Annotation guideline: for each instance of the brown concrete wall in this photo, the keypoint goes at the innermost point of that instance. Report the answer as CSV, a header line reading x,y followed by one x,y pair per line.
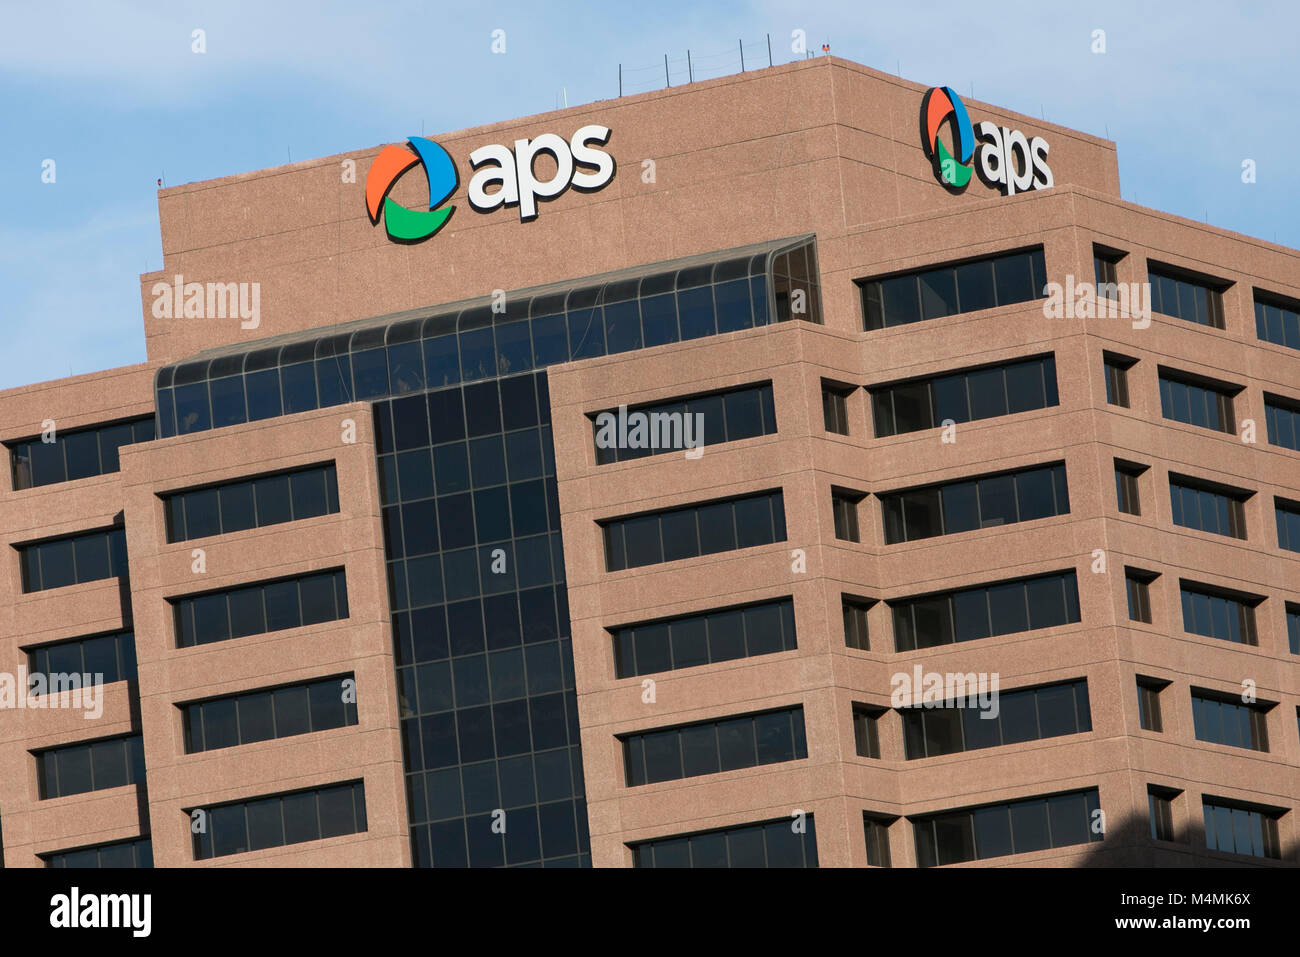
x,y
1105,647
32,826
360,644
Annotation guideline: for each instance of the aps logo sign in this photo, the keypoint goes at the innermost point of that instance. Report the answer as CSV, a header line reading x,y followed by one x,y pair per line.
x,y
1006,159
578,163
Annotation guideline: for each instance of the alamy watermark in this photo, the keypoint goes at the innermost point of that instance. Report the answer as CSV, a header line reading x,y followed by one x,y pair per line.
x,y
650,430
208,300
1106,300
933,689
39,691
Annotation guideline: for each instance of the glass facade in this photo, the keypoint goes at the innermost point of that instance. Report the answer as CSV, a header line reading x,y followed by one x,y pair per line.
x,y
471,519
703,297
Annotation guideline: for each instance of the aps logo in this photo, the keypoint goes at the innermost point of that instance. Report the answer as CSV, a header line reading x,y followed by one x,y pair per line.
x,y
1006,159
578,163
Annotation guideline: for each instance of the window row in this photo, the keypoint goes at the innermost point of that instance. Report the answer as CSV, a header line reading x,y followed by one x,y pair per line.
x,y
252,503
278,820
638,431
1240,829
1207,507
1068,819
1219,613
1205,403
1012,827
260,608
946,290
701,638
784,842
1200,403
1277,320
1027,714
1231,721
108,658
708,747
1282,421
984,611
705,529
76,453
90,766
966,395
117,854
73,559
981,501
1186,296
269,714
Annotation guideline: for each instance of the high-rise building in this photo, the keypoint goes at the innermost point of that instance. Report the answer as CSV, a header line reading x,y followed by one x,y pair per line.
x,y
838,474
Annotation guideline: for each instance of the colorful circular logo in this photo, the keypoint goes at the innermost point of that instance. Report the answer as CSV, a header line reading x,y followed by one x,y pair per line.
x,y
939,104
411,225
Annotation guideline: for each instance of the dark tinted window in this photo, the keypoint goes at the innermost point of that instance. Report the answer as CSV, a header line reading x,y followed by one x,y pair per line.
x,y
704,637
90,766
686,423
1116,372
1223,720
77,453
109,658
1190,299
855,622
252,503
118,854
964,724
73,559
1218,615
965,396
654,537
946,290
785,842
996,609
1238,829
280,819
272,713
1206,508
1015,827
262,607
1277,320
1196,404
745,741
1283,421
1288,524
977,502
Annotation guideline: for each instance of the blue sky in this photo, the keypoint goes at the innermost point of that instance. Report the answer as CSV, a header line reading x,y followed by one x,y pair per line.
x,y
112,92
